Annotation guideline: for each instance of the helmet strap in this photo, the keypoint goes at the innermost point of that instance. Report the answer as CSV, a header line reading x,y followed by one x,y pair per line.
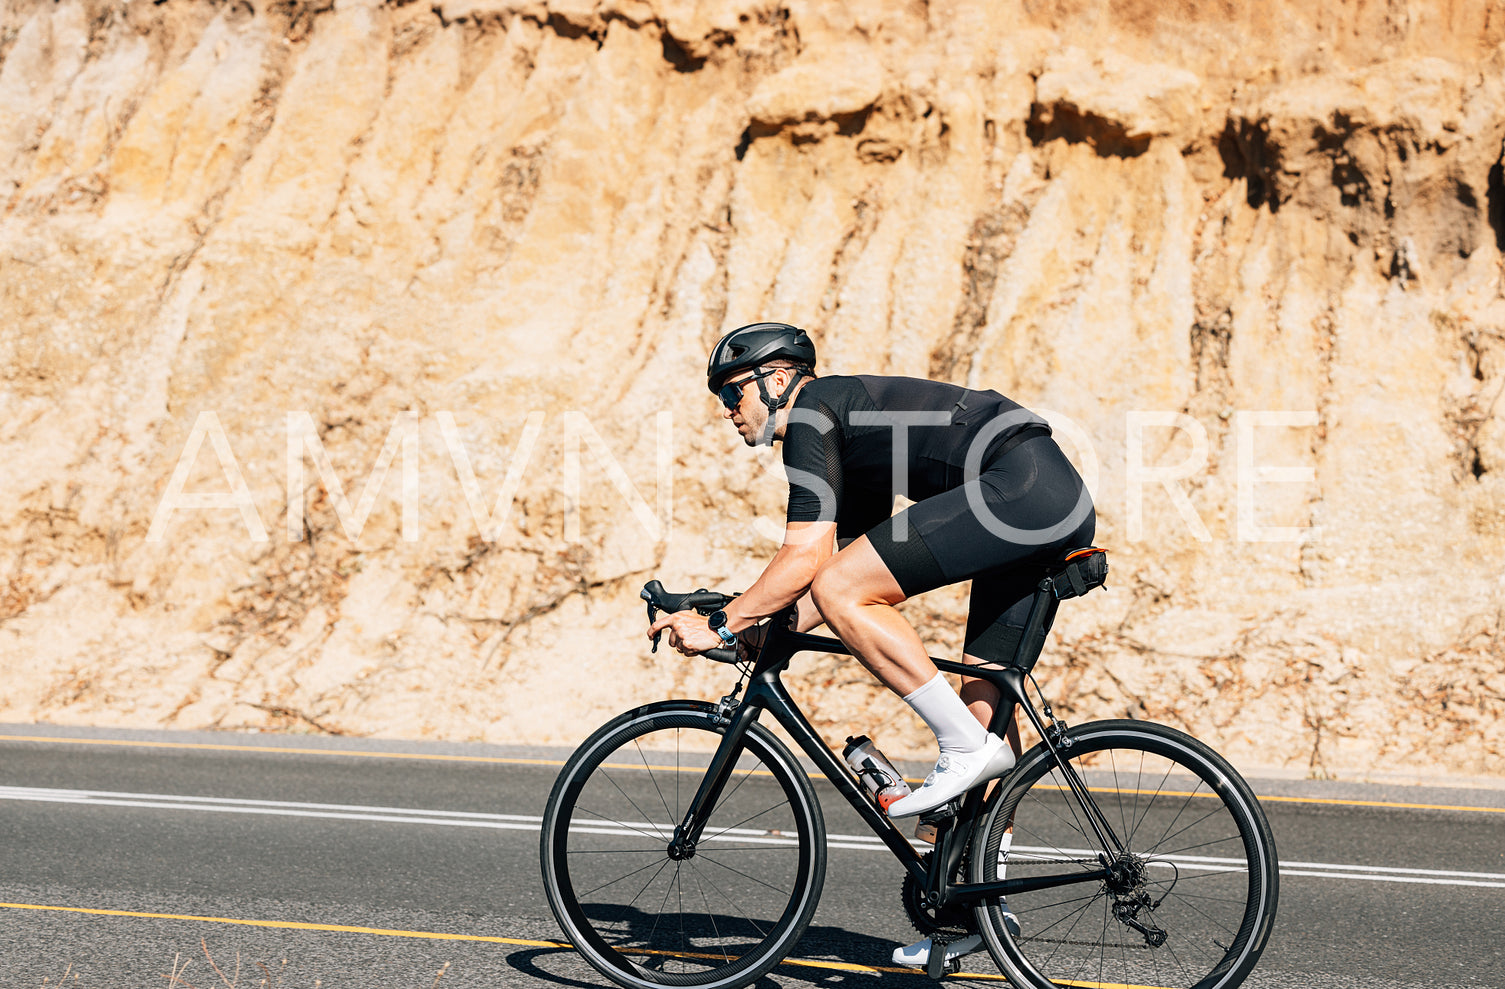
x,y
775,404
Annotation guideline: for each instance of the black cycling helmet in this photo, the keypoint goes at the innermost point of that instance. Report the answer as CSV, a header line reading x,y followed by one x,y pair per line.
x,y
756,344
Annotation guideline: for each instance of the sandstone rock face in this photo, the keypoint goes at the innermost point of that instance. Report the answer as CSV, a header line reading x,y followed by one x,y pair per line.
x,y
401,309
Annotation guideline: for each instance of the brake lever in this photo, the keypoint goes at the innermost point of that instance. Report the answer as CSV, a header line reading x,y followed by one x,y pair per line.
x,y
652,617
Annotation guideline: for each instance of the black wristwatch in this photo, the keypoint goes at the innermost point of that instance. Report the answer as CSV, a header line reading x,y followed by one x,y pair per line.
x,y
717,622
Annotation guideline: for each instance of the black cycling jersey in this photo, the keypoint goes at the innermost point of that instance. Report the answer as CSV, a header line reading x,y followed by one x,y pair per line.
x,y
992,491
843,434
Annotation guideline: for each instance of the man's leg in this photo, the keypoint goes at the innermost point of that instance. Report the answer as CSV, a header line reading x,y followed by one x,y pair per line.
x,y
856,594
996,616
981,698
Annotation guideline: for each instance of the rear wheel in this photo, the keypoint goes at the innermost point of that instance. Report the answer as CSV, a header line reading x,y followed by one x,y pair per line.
x,y
1185,895
722,915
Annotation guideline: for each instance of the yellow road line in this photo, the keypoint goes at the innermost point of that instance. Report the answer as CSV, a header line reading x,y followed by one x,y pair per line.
x,y
499,760
278,749
288,925
1378,803
440,936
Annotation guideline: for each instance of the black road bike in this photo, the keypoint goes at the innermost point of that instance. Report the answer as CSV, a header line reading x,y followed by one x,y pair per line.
x,y
683,844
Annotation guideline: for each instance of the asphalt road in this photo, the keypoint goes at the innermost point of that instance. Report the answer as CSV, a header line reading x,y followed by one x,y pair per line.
x,y
428,859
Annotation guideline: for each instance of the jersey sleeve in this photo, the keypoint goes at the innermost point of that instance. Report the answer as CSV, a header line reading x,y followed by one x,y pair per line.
x,y
812,461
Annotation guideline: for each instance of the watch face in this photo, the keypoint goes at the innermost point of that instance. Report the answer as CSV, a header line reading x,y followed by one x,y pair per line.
x,y
717,620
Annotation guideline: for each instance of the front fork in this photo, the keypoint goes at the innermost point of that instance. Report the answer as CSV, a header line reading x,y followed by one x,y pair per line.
x,y
738,720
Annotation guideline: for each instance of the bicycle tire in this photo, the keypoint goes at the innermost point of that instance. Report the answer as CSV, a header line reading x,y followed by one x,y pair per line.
x,y
1198,871
762,856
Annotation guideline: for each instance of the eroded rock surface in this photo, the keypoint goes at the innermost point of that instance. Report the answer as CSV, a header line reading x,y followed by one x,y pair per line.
x,y
487,243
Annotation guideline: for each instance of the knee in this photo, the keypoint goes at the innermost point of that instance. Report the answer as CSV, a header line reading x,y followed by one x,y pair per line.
x,y
828,590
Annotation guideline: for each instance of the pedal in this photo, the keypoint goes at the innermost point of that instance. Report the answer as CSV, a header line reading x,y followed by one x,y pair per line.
x,y
929,826
938,966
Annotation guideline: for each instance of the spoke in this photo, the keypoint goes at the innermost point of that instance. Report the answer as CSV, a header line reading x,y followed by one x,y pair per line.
x,y
662,866
629,875
754,817
1069,932
1155,964
1170,947
721,893
1073,802
657,850
1149,803
1029,829
1212,920
745,777
1102,947
646,817
1183,877
744,875
654,778
1203,896
619,823
1185,849
1188,827
711,917
702,850
1053,905
1185,802
1123,953
1034,935
1068,795
1125,830
660,915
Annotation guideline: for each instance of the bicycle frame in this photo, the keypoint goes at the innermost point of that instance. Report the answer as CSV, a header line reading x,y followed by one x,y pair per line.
x,y
766,691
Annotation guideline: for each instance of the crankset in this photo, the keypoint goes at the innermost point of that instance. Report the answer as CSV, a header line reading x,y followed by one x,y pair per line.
x,y
950,923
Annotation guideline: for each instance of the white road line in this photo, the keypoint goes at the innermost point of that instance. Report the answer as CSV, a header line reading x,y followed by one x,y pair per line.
x,y
524,822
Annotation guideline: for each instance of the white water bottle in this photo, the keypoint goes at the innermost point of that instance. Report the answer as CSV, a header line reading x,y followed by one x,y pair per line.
x,y
882,781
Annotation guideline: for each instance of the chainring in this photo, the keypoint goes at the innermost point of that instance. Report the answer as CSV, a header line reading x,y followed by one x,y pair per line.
x,y
951,923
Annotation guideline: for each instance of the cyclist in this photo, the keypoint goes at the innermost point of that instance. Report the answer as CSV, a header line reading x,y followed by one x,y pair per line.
x,y
992,491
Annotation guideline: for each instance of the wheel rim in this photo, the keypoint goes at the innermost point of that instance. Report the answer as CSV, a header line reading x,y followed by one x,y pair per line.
x,y
706,917
1183,899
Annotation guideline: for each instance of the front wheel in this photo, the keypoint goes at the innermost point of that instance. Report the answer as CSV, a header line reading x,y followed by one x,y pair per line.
x,y
1182,893
721,916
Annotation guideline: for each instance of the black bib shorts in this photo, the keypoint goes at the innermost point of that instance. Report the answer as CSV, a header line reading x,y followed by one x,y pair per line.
x,y
995,497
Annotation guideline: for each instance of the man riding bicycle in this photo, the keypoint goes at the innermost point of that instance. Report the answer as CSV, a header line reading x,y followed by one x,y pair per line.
x,y
993,494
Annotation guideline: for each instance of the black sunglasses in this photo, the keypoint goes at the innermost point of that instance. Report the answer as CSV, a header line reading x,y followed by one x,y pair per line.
x,y
731,393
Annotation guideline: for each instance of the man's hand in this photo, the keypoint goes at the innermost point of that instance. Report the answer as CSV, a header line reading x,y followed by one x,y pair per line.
x,y
689,632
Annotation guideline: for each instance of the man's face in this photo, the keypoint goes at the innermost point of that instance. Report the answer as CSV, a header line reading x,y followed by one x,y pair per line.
x,y
749,415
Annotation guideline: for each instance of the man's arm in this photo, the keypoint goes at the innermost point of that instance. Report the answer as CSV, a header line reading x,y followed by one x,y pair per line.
x,y
788,575
785,580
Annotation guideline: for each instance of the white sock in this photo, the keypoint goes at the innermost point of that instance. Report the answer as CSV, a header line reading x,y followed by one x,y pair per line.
x,y
955,728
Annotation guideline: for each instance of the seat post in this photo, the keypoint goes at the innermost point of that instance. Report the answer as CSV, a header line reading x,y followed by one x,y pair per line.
x,y
1042,613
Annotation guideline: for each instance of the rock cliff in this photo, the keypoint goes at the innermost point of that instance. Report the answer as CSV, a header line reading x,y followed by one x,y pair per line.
x,y
353,351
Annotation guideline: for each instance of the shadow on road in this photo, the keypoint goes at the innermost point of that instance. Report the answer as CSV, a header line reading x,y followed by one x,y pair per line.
x,y
820,943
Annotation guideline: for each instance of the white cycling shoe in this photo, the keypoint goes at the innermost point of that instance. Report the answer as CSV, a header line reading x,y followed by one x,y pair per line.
x,y
917,955
955,773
